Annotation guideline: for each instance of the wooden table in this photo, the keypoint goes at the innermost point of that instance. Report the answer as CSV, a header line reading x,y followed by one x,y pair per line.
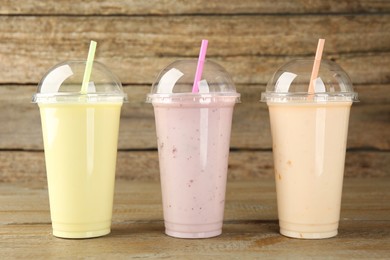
x,y
250,226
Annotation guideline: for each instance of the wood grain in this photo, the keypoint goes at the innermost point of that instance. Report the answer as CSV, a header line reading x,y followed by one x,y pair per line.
x,y
250,47
133,7
21,129
250,226
136,39
29,166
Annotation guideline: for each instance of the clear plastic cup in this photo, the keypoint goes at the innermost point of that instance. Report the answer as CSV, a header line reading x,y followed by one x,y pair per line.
x,y
193,136
80,134
309,134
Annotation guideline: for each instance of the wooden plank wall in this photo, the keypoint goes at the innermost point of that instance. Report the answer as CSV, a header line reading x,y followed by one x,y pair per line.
x,y
249,38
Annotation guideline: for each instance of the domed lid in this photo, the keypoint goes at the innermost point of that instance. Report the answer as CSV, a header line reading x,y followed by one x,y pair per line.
x,y
291,82
175,82
62,84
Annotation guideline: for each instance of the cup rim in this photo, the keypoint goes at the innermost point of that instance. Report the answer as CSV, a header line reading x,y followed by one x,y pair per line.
x,y
194,97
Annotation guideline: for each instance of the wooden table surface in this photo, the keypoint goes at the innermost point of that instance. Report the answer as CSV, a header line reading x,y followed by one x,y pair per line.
x,y
250,225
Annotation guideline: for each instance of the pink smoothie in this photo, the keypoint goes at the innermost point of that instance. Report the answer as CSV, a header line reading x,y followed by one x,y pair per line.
x,y
193,143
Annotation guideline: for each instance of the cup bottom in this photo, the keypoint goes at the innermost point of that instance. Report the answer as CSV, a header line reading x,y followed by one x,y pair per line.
x,y
308,231
80,235
308,235
193,234
205,230
81,230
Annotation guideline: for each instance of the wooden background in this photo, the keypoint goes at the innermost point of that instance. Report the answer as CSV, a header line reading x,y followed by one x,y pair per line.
x,y
249,38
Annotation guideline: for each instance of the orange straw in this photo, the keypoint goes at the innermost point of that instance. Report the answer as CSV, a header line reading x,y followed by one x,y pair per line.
x,y
316,65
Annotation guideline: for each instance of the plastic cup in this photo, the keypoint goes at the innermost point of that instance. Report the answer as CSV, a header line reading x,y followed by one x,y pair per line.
x,y
309,134
193,136
80,134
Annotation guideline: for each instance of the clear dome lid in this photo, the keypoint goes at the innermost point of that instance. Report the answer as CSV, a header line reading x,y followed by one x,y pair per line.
x,y
291,83
175,83
62,84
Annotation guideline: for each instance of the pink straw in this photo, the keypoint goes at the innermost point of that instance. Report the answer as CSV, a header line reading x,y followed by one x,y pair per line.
x,y
199,67
316,65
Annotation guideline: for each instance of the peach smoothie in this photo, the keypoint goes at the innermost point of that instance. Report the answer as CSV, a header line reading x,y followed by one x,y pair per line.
x,y
309,145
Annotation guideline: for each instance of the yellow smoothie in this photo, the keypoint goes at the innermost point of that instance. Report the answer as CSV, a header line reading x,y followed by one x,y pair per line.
x,y
80,141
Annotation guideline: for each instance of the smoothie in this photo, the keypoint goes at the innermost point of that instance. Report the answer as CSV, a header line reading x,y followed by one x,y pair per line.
x,y
193,112
309,144
193,145
80,141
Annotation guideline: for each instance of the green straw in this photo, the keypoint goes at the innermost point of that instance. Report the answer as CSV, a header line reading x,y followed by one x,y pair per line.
x,y
88,67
